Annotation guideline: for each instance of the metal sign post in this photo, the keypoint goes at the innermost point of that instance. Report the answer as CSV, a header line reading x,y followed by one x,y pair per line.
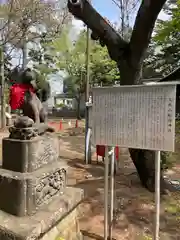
x,y
88,135
141,117
157,193
108,212
111,192
106,190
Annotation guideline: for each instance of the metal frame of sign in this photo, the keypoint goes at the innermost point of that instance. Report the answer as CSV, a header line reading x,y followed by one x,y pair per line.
x,y
117,110
135,116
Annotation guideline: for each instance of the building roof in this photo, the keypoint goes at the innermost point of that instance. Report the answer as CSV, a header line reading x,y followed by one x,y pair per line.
x,y
175,75
63,95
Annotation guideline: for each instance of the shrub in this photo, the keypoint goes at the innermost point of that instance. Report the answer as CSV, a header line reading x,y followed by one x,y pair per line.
x,y
168,159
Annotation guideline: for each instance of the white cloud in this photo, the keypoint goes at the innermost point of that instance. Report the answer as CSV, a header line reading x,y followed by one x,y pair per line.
x,y
163,16
77,27
78,24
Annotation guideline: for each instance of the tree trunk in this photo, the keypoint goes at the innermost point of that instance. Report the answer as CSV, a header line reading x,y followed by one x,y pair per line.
x,y
78,108
144,161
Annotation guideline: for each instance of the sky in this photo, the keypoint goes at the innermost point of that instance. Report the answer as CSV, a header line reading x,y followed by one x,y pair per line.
x,y
108,9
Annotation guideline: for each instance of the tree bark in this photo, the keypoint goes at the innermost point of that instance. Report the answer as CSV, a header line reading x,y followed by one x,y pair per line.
x,y
144,161
129,57
78,99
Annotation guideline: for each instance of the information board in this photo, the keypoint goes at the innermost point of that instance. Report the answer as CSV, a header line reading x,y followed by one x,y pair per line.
x,y
135,116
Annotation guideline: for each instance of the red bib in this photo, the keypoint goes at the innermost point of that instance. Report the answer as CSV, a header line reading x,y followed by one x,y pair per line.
x,y
17,93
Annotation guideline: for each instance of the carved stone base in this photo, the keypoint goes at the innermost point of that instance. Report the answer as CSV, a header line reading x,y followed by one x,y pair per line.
x,y
23,193
29,155
57,220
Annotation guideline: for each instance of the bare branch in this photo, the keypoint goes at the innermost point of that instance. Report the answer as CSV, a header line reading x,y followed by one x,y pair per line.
x,y
129,5
21,15
143,27
127,9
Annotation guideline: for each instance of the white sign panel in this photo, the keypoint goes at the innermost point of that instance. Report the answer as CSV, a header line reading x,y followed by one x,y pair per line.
x,y
135,116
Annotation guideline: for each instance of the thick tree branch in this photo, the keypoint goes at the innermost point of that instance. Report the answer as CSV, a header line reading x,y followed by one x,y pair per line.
x,y
143,27
84,11
129,56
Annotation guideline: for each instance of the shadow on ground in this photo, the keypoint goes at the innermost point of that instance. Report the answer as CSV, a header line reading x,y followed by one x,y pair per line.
x,y
73,144
133,206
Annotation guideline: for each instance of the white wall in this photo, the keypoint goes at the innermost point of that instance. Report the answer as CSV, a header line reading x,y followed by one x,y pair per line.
x,y
67,102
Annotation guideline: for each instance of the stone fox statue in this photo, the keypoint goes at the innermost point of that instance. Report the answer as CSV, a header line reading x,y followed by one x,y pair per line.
x,y
25,95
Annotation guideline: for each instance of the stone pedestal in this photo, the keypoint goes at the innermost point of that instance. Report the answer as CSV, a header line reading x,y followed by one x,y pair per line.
x,y
55,221
34,200
32,174
29,155
23,193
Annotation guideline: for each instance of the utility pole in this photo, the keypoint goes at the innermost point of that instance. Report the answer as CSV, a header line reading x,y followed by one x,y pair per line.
x,y
25,40
24,52
3,103
87,146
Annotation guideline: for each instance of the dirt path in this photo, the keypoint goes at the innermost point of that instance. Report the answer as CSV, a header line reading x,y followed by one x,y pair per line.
x,y
134,207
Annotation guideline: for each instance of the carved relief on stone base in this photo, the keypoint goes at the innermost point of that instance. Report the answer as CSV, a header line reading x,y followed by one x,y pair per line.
x,y
50,185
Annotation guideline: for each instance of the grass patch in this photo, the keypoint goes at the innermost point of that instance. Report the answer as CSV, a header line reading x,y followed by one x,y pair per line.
x,y
172,205
169,159
146,237
173,208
